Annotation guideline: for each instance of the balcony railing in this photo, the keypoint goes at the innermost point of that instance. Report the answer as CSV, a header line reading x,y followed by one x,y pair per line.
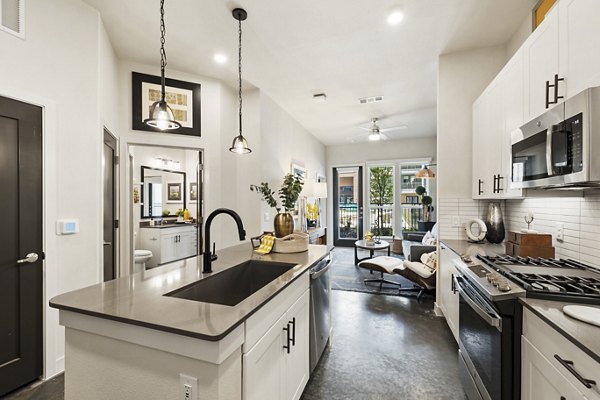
x,y
348,221
381,220
410,217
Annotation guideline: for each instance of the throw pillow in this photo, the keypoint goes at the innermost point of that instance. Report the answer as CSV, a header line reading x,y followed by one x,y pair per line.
x,y
430,260
435,231
426,237
432,241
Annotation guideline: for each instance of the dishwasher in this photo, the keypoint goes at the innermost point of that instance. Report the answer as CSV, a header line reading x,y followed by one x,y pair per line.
x,y
320,316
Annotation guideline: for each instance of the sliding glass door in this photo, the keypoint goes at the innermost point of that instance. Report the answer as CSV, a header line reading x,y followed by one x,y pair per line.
x,y
347,204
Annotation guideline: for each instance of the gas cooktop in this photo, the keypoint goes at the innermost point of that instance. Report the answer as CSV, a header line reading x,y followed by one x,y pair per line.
x,y
559,279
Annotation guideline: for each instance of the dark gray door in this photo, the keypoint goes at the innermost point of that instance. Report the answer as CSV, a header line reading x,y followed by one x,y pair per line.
x,y
347,205
21,301
110,221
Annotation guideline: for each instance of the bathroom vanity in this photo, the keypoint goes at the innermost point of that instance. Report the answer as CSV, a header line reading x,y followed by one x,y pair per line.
x,y
174,331
169,243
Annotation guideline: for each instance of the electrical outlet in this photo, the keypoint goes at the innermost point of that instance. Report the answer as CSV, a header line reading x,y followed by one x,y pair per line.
x,y
455,221
560,231
189,387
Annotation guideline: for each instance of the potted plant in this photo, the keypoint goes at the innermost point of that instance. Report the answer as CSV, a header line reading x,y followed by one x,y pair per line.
x,y
288,194
426,202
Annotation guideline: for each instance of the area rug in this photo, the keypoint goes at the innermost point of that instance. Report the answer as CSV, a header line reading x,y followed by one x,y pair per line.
x,y
347,276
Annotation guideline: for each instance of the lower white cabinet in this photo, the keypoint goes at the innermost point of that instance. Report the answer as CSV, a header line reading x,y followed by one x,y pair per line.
x,y
277,366
540,380
169,244
552,367
448,294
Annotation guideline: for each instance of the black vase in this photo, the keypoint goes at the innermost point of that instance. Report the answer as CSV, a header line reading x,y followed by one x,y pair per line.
x,y
495,224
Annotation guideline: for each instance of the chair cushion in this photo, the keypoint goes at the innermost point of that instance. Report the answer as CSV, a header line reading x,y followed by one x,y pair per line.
x,y
426,238
430,260
388,264
419,268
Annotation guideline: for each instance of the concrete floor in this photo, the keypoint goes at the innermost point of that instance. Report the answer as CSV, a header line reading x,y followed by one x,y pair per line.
x,y
384,347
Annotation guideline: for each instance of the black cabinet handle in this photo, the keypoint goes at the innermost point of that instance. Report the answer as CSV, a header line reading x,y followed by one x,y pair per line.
x,y
495,183
453,285
480,189
500,177
555,87
569,365
293,322
288,338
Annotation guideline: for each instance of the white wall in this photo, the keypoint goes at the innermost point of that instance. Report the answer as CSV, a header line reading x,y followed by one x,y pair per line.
x,y
58,66
519,37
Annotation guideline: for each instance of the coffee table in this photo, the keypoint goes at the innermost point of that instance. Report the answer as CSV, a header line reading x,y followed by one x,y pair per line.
x,y
362,244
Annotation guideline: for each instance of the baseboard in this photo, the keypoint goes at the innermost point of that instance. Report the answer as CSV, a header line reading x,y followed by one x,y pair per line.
x,y
437,310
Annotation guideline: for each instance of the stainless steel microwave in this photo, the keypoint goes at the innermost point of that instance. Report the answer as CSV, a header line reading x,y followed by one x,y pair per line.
x,y
561,148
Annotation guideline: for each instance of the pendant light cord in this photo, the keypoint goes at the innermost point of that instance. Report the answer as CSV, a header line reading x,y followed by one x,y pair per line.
x,y
163,53
240,71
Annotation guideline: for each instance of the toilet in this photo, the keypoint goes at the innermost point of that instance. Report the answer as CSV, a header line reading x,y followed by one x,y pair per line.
x,y
139,259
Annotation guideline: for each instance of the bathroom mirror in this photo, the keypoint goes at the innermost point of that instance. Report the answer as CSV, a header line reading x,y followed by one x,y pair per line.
x,y
163,192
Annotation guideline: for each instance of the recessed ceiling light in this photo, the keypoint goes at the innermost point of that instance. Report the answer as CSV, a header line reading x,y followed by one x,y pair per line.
x,y
395,17
220,58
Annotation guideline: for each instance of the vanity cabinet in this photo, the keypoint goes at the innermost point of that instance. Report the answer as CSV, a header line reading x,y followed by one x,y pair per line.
x,y
449,298
169,244
277,366
551,365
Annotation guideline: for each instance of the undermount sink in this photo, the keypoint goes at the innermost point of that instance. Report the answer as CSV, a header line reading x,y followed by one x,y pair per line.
x,y
234,284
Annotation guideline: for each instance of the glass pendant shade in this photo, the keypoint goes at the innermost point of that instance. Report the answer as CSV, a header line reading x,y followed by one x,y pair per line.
x,y
425,173
161,116
240,145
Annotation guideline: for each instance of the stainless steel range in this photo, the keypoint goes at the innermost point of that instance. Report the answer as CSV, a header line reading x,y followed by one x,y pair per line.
x,y
490,316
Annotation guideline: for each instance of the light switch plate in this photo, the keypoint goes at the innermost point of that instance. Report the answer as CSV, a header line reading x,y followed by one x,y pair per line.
x,y
456,221
560,231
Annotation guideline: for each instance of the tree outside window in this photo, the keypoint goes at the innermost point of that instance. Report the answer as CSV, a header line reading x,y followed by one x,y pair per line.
x,y
381,194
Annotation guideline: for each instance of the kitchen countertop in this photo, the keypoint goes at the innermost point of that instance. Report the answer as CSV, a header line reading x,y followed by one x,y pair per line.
x,y
583,335
463,247
138,299
159,226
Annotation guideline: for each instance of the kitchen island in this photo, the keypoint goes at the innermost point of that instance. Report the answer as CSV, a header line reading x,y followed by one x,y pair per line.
x,y
125,339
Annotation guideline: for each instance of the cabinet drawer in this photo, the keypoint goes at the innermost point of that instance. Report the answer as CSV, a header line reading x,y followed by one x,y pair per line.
x,y
551,344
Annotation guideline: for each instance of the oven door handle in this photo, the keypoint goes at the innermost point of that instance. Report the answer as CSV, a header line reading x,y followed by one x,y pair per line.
x,y
549,165
495,321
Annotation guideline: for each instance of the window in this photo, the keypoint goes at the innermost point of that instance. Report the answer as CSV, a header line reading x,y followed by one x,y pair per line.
x,y
395,198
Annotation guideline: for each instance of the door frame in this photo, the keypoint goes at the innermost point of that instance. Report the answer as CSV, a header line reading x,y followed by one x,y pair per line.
x,y
126,240
116,174
53,356
362,216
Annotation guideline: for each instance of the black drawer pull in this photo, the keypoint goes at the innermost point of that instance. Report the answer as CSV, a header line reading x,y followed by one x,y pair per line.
x,y
569,366
480,189
293,322
288,338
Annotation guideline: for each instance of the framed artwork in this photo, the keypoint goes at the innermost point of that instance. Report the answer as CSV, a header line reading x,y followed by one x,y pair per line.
x,y
136,193
298,170
183,98
174,194
193,192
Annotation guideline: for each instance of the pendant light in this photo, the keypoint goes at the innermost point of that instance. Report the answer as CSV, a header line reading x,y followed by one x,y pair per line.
x,y
240,144
425,173
161,115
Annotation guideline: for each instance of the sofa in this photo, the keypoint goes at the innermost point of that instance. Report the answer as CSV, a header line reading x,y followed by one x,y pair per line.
x,y
412,244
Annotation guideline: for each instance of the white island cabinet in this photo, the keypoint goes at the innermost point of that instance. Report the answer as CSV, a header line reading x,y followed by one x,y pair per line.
x,y
126,339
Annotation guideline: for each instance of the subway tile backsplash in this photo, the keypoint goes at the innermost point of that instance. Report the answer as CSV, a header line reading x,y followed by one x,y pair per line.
x,y
579,217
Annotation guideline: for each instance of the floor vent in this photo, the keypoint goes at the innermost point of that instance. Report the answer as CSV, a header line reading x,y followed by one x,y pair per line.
x,y
12,17
368,100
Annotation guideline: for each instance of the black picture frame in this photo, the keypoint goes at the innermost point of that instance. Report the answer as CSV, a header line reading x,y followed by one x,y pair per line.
x,y
138,116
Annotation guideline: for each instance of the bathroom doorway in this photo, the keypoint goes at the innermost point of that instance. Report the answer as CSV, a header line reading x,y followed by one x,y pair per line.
x,y
109,203
166,204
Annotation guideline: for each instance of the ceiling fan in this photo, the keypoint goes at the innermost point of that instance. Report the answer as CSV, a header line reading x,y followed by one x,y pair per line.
x,y
375,132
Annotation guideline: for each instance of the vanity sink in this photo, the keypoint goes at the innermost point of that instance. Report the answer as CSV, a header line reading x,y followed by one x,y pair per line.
x,y
234,284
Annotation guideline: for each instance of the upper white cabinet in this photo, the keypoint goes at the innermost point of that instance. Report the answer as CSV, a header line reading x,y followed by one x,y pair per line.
x,y
541,65
558,60
496,113
579,44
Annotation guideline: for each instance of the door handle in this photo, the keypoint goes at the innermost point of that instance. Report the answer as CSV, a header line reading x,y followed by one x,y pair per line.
x,y
288,338
106,243
29,258
293,322
499,189
480,189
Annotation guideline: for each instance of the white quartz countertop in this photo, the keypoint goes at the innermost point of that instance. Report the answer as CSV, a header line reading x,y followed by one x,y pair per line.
x,y
139,299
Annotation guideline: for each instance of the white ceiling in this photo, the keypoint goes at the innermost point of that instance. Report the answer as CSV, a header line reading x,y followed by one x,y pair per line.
x,y
344,48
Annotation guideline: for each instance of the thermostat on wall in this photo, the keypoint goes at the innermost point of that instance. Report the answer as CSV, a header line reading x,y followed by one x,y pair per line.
x,y
67,226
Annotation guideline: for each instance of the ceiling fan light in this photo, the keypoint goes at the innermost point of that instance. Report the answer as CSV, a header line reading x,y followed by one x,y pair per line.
x,y
374,136
161,117
395,16
240,145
